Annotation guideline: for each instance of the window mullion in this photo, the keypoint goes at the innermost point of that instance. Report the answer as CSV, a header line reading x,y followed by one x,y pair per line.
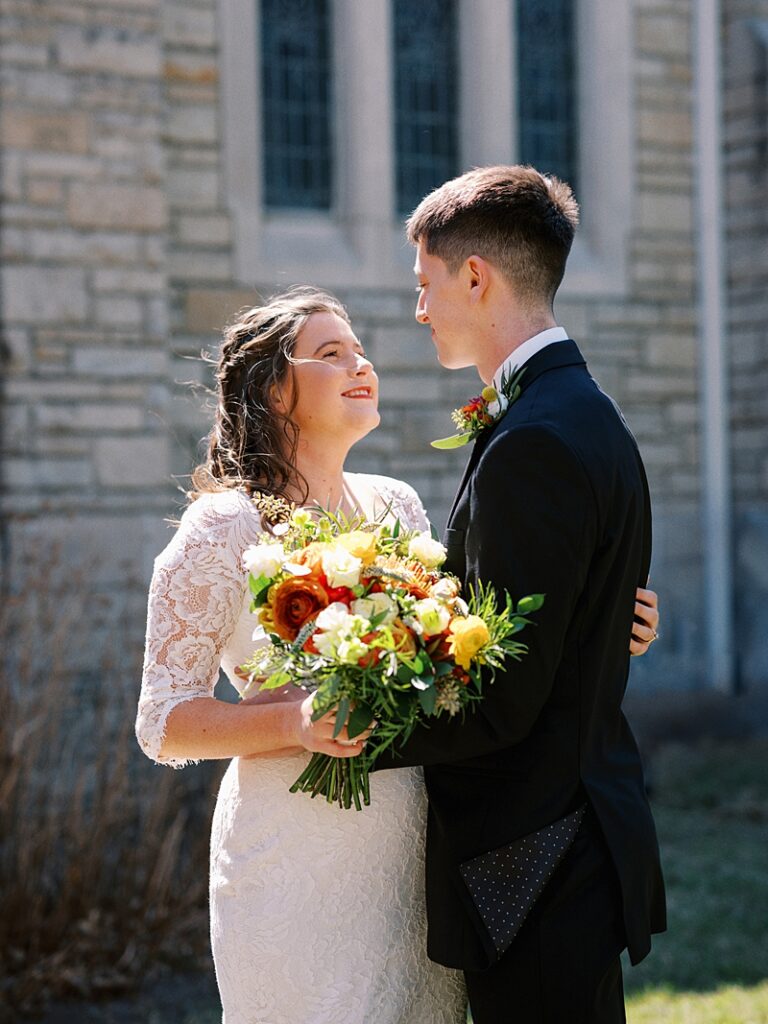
x,y
488,114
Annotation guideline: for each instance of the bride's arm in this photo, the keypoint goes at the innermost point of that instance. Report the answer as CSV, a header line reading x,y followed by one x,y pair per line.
x,y
195,598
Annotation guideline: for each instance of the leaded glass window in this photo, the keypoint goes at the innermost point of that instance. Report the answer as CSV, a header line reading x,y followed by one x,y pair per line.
x,y
296,98
547,87
426,73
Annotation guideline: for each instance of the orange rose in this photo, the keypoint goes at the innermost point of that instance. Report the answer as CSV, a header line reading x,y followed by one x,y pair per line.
x,y
293,602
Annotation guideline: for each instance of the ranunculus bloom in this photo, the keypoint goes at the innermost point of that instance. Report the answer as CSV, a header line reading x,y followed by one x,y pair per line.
x,y
293,602
466,638
311,555
360,544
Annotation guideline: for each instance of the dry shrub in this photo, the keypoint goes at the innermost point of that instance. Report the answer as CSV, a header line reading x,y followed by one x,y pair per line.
x,y
103,855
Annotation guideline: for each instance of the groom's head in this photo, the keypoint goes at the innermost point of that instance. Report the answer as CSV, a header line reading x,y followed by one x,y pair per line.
x,y
491,239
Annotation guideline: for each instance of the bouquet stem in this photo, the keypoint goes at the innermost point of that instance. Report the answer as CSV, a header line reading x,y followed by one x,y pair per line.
x,y
340,780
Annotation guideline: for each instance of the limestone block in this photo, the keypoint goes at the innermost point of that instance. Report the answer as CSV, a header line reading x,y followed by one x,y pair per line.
x,y
197,265
666,127
410,388
139,282
403,348
119,311
190,69
203,229
114,361
674,349
117,206
39,295
664,212
88,416
188,26
49,474
193,189
62,132
132,461
111,51
97,247
665,36
208,309
192,124
44,192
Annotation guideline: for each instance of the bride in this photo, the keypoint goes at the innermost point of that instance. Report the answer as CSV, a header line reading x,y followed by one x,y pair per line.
x,y
317,913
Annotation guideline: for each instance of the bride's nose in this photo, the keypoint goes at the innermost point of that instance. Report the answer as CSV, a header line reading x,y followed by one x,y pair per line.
x,y
362,366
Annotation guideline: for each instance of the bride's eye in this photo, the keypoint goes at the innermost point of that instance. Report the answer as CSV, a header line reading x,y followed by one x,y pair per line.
x,y
331,352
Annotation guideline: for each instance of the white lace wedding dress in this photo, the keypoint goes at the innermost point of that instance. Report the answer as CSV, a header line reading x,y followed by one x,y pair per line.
x,y
317,914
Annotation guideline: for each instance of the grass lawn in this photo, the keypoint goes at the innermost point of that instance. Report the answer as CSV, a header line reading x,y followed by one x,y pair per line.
x,y
711,967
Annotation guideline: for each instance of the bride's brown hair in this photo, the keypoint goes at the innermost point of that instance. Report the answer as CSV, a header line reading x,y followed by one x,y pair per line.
x,y
253,445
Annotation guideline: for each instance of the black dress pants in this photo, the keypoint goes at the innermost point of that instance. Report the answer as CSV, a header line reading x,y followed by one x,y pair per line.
x,y
563,966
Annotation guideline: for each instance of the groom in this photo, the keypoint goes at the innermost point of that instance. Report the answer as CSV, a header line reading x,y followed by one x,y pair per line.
x,y
542,859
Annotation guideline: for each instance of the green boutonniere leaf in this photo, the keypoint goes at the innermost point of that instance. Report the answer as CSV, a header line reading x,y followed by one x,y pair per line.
x,y
456,441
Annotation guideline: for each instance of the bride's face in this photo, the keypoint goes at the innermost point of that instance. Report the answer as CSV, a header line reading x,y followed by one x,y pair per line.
x,y
338,390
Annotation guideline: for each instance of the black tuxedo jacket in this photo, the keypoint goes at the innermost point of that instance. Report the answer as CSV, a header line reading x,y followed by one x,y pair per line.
x,y
554,500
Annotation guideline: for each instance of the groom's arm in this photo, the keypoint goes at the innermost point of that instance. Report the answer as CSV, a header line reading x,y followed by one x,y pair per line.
x,y
533,528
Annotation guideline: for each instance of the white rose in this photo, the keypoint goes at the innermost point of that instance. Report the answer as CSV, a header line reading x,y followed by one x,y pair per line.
x,y
426,550
341,568
326,643
376,604
432,616
264,559
334,618
445,589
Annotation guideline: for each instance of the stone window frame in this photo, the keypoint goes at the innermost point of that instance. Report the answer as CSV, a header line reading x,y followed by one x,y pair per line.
x,y
360,242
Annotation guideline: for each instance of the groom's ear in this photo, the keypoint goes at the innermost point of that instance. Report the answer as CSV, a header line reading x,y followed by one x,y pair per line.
x,y
478,276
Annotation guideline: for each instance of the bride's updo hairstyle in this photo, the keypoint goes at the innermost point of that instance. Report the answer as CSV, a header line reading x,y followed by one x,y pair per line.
x,y
252,445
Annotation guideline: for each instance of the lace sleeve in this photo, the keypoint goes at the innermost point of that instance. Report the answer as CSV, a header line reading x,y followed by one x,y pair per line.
x,y
195,598
404,500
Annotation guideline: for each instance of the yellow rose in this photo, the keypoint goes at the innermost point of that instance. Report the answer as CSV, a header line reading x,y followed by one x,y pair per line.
x,y
360,544
467,637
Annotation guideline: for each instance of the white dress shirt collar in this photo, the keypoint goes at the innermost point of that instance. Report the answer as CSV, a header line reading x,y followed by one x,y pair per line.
x,y
527,350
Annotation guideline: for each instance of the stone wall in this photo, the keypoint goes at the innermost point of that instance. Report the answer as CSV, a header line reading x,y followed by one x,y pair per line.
x,y
119,268
746,189
84,289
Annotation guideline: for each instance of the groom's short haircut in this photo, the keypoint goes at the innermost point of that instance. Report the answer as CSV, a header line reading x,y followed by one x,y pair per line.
x,y
520,220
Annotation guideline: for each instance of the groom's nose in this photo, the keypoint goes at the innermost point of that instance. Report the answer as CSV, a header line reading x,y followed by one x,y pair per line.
x,y
421,312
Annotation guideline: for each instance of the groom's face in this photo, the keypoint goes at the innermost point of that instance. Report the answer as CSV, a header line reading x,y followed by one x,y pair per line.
x,y
445,305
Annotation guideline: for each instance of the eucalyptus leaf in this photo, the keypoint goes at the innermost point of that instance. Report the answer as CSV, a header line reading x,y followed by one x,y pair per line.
x,y
360,718
427,699
443,668
529,604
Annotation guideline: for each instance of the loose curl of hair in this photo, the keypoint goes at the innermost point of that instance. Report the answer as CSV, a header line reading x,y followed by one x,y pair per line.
x,y
252,445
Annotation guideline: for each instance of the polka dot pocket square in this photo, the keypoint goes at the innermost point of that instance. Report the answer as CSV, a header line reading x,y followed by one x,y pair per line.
x,y
505,883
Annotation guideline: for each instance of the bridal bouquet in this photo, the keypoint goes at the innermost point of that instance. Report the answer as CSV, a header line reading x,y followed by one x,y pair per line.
x,y
360,614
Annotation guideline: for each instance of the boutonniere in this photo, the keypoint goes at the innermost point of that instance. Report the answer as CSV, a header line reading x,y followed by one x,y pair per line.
x,y
482,411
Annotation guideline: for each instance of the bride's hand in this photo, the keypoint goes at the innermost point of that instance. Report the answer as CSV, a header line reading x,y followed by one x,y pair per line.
x,y
318,736
646,621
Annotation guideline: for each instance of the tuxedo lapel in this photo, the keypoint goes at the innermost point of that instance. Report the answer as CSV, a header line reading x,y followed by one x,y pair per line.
x,y
559,354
